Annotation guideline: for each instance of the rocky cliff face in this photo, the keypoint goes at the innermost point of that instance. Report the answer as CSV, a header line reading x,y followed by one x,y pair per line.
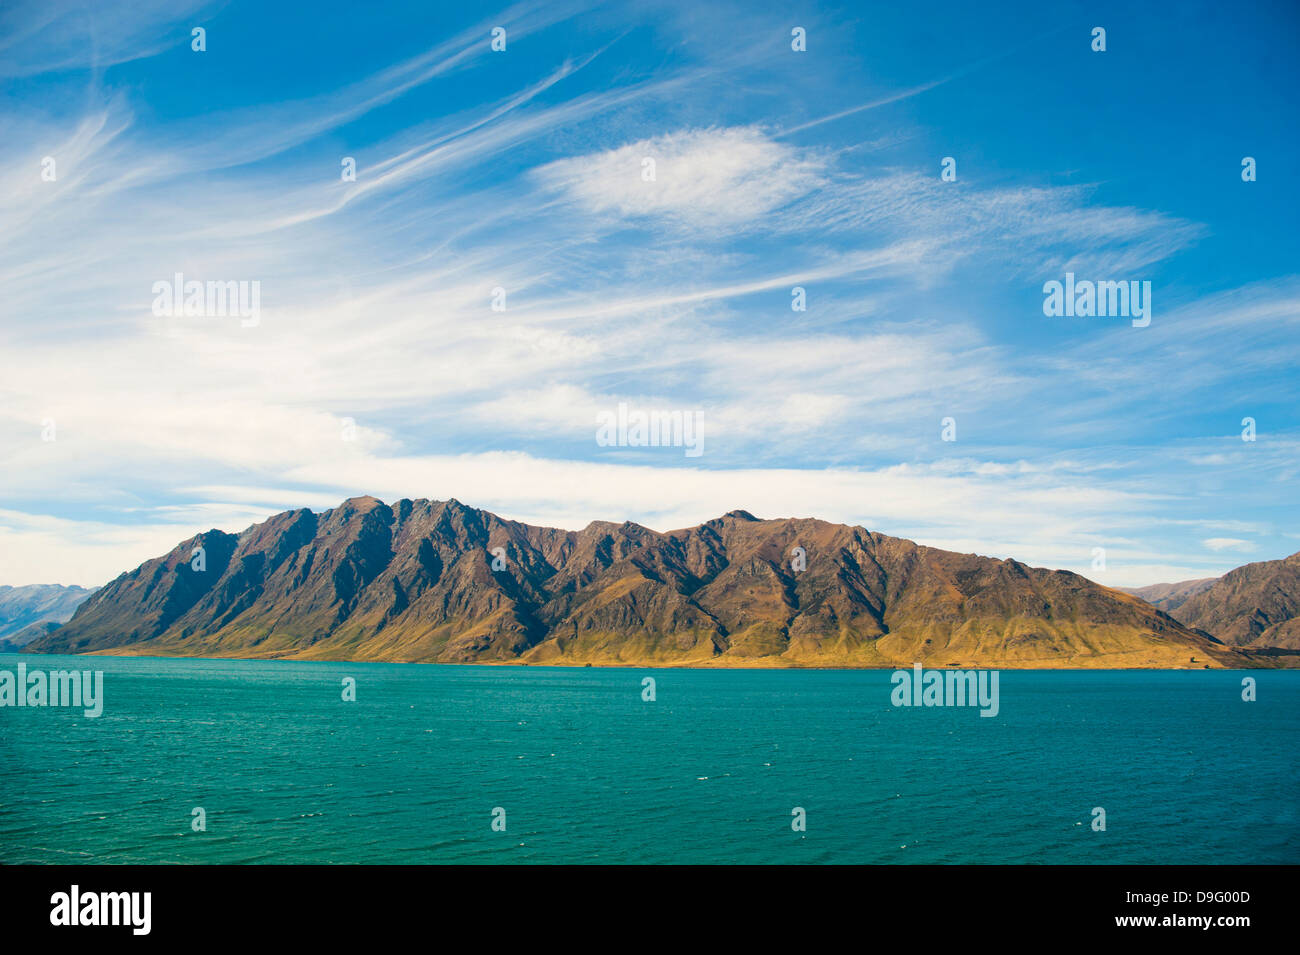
x,y
415,581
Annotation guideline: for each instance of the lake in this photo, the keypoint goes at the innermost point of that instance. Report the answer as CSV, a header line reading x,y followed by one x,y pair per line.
x,y
581,769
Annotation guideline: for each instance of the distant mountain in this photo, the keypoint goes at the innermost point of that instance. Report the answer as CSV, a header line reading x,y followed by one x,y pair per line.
x,y
22,608
1256,605
414,581
1169,597
26,635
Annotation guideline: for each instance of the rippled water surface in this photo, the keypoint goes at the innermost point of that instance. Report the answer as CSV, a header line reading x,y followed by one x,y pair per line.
x,y
587,771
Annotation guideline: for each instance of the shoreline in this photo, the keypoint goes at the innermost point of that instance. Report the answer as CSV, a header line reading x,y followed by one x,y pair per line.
x,y
659,666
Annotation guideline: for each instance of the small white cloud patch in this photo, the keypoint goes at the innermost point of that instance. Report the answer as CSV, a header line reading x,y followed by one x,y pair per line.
x,y
704,178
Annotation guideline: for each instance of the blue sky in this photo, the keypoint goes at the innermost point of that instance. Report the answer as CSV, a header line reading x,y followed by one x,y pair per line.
x,y
378,366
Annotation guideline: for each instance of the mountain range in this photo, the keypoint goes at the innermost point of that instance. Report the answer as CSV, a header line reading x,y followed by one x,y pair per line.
x,y
1257,605
1169,597
32,611
438,581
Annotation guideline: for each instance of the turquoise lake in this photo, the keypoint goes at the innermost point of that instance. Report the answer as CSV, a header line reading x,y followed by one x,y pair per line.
x,y
588,772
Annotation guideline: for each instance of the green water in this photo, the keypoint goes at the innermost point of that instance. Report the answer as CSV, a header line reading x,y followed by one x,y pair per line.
x,y
587,771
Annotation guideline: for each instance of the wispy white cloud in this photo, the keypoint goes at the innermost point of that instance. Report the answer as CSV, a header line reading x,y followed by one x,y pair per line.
x,y
42,36
1229,543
